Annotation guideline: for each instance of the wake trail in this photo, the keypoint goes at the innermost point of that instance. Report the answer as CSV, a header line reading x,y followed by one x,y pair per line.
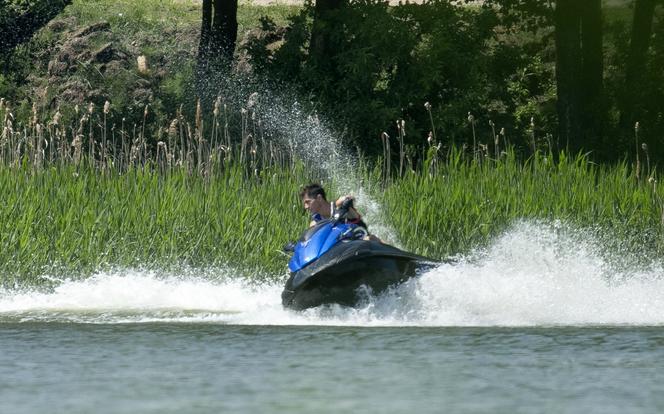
x,y
530,276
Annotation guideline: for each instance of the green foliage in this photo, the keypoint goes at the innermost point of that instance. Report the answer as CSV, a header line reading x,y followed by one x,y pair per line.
x,y
647,94
465,204
530,15
6,85
69,219
455,58
496,63
76,220
533,93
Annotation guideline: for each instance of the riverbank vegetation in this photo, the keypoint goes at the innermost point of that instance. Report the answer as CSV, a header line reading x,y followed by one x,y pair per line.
x,y
464,60
110,156
196,202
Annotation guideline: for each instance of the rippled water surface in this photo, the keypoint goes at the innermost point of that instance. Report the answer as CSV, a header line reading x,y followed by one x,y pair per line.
x,y
179,367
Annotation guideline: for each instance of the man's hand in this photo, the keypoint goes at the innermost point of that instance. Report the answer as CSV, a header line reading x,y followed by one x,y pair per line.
x,y
352,213
341,200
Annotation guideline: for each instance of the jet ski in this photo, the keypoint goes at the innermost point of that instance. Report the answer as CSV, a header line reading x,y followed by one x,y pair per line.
x,y
333,263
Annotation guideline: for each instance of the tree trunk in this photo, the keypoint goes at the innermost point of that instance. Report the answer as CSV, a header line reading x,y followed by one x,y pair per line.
x,y
321,48
224,29
216,46
644,12
204,43
592,73
568,68
579,73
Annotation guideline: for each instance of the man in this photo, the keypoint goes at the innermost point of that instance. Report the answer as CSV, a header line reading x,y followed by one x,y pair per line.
x,y
315,202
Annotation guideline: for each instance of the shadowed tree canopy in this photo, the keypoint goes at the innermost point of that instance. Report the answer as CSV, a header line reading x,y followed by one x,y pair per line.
x,y
579,62
19,20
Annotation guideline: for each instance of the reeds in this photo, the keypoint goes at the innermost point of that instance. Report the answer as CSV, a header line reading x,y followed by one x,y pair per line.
x,y
218,191
464,204
636,142
74,220
84,139
387,157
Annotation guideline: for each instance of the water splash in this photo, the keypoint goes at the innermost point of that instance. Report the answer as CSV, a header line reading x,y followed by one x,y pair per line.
x,y
314,140
534,275
140,296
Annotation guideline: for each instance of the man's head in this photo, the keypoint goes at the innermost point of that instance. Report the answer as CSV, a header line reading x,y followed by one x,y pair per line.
x,y
313,198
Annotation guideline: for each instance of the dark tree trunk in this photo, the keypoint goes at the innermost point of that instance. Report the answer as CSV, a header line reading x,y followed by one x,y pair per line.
x,y
204,43
321,49
568,68
216,46
644,12
206,29
224,29
579,73
592,71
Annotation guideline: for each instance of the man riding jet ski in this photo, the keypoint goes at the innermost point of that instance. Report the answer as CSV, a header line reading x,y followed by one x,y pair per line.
x,y
336,256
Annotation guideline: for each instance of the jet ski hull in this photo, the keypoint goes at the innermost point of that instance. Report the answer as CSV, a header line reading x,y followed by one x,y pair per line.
x,y
337,277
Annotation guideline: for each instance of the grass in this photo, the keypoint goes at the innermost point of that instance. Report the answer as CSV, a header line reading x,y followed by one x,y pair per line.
x,y
465,204
74,221
69,216
150,15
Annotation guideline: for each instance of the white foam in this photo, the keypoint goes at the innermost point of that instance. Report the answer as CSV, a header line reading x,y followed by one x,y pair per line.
x,y
531,276
313,140
137,296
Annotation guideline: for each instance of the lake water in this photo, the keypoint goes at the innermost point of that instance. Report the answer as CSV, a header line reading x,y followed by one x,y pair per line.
x,y
537,322
180,367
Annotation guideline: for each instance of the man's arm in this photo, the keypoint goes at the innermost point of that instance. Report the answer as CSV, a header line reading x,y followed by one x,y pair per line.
x,y
352,213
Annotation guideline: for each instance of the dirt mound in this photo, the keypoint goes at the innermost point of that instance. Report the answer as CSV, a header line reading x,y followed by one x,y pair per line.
x,y
83,60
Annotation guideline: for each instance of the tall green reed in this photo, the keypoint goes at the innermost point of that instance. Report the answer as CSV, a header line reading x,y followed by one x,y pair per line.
x,y
189,196
465,203
208,192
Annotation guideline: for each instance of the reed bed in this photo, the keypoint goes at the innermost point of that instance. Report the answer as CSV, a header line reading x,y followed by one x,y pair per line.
x,y
70,221
199,145
219,191
84,195
465,203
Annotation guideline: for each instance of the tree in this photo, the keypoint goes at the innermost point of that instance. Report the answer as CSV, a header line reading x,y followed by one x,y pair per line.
x,y
20,20
217,42
579,73
644,13
568,58
579,62
321,48
592,73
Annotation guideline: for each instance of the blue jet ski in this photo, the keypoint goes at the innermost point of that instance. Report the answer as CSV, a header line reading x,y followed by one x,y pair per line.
x,y
332,261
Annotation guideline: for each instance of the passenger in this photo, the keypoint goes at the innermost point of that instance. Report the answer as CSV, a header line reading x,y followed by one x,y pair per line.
x,y
315,202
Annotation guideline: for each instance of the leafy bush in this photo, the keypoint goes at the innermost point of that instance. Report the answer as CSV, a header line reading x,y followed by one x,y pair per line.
x,y
387,62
